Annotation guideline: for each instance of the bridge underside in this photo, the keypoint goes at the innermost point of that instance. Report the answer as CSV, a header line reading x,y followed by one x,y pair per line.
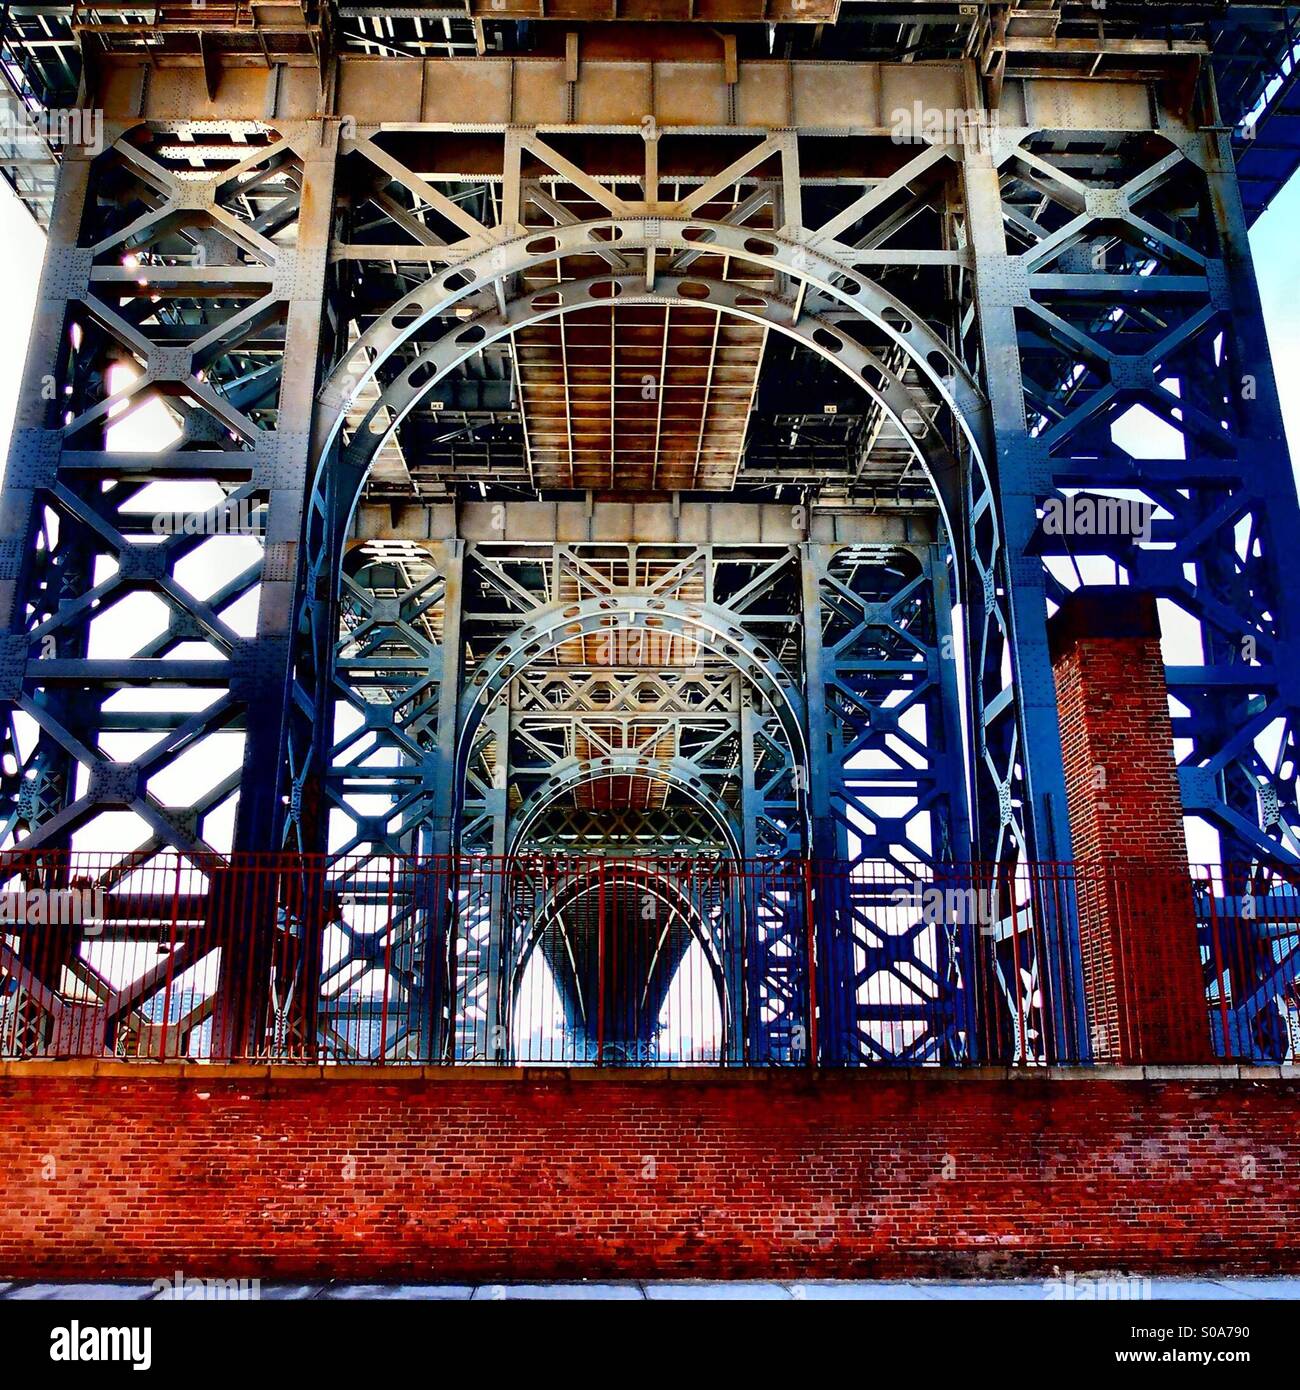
x,y
588,499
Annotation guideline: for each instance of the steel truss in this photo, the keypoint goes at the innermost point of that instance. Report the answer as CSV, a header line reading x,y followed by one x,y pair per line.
x,y
1115,285
415,654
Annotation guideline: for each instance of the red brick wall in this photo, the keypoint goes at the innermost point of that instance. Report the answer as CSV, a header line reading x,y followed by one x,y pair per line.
x,y
1141,967
487,1178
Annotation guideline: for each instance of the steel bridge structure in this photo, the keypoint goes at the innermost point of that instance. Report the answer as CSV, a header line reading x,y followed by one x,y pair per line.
x,y
528,430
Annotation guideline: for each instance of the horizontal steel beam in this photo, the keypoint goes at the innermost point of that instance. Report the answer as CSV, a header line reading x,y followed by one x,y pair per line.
x,y
696,522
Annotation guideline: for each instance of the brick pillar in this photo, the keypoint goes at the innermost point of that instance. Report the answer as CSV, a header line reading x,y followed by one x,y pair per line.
x,y
1141,964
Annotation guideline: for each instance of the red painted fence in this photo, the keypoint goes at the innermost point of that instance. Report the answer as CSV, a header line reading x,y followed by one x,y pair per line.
x,y
618,962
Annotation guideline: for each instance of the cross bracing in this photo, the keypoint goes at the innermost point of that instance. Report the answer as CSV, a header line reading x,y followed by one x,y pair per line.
x,y
636,451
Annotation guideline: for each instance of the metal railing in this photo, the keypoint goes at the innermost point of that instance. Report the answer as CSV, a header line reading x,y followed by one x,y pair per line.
x,y
643,962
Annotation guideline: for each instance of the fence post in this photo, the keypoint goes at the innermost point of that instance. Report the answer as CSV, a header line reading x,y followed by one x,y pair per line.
x,y
811,931
600,963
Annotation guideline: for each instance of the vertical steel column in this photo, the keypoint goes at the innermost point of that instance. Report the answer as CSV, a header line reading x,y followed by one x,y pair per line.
x,y
1258,809
956,961
888,788
1246,787
1017,476
268,673
744,905
38,789
437,949
500,952
264,671
828,936
1018,482
38,792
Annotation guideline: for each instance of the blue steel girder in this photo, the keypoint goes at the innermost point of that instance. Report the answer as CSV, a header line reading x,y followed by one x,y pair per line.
x,y
383,783
182,336
388,671
1121,320
201,298
682,774
1100,283
888,796
555,621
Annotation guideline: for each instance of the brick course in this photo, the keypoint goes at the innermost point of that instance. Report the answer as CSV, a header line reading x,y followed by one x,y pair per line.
x,y
458,1178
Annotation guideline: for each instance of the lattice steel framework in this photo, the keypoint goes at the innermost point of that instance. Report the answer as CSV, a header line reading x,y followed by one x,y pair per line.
x,y
402,614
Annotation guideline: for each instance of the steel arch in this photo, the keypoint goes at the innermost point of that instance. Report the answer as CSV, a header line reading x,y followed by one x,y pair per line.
x,y
547,628
803,262
678,773
858,363
570,889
